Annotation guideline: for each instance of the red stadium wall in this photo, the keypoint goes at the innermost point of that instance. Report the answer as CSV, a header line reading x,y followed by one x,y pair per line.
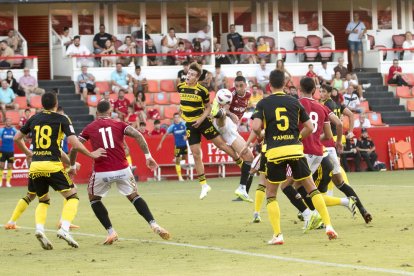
x,y
211,154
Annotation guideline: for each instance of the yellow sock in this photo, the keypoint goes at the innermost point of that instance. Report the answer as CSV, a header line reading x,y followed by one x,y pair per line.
x,y
9,175
202,179
70,209
41,213
331,200
178,170
320,206
259,197
129,159
274,214
19,209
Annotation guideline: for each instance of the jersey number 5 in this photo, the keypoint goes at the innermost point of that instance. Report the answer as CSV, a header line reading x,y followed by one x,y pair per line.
x,y
283,120
104,140
43,134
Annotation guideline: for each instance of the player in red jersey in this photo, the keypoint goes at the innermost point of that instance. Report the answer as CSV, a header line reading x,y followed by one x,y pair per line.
x,y
114,168
226,122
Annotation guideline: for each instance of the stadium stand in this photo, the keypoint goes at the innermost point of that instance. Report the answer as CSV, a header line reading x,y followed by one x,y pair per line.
x,y
167,86
153,86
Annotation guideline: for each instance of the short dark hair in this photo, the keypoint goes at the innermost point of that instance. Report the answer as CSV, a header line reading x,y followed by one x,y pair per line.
x,y
76,37
156,122
176,113
142,124
307,85
49,100
328,88
102,25
255,85
137,67
240,78
103,106
27,109
65,29
118,62
277,79
180,43
185,63
196,67
395,59
171,29
218,65
324,62
310,65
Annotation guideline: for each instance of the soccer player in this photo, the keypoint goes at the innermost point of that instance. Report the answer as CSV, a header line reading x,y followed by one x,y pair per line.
x,y
46,169
178,129
7,150
114,168
280,115
195,108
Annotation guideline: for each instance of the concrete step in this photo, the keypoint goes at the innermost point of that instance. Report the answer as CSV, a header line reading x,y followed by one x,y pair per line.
x,y
385,108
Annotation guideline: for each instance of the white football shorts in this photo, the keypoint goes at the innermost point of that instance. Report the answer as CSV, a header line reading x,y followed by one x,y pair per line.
x,y
100,182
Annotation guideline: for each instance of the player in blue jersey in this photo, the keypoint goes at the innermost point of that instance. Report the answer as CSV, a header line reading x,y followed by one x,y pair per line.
x,y
178,129
7,150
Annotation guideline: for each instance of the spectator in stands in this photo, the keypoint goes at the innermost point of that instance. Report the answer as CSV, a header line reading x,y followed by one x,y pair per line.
x,y
366,148
203,36
13,84
249,58
109,49
220,80
341,68
197,50
408,44
100,39
350,151
77,49
337,97
7,99
293,91
157,129
280,65
131,118
139,35
119,79
107,97
121,105
182,74
395,75
14,41
129,47
262,75
25,117
203,73
351,101
86,83
65,38
208,81
311,74
151,49
220,58
338,82
235,42
356,30
362,121
244,125
139,81
6,51
255,97
29,85
325,74
139,107
181,54
351,84
169,43
264,47
143,129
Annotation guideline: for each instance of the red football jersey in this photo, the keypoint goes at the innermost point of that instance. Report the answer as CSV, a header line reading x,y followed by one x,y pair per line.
x,y
331,142
239,103
108,134
160,131
122,105
319,116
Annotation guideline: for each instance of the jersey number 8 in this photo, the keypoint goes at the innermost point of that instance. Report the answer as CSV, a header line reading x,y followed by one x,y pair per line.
x,y
314,119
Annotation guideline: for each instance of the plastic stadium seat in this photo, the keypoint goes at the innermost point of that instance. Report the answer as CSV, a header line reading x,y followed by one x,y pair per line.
x,y
175,98
93,100
312,55
404,92
103,86
21,101
166,122
161,98
296,81
149,100
18,62
167,86
36,101
364,105
130,97
14,115
169,111
314,41
325,56
409,78
410,105
375,119
153,86
300,42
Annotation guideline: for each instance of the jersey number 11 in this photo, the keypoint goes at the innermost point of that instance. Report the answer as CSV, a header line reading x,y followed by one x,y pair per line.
x,y
110,137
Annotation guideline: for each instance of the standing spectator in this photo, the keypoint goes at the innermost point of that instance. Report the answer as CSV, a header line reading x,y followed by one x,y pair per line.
x,y
65,38
158,130
143,129
77,49
351,100
181,54
254,98
86,83
341,68
408,44
121,105
356,29
262,75
325,74
182,74
235,42
26,116
151,49
280,65
139,81
6,51
203,36
29,85
362,121
169,44
264,47
220,58
249,58
100,38
139,35
244,125
139,107
219,78
6,99
338,83
108,50
128,47
13,84
7,150
350,151
395,75
311,74
14,41
119,79
366,148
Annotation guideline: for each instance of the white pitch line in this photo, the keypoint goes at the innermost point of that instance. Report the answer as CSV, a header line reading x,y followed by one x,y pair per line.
x,y
247,253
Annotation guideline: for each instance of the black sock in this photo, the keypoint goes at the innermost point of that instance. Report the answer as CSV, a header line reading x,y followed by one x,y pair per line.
x,y
306,198
101,213
295,198
143,209
249,183
348,191
245,173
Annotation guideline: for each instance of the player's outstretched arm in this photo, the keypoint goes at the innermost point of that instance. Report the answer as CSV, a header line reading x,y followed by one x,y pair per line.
x,y
162,141
132,132
78,146
18,140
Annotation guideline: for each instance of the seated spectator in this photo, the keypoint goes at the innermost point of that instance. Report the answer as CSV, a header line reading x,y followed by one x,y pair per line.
x,y
151,49
264,47
181,54
249,58
139,81
182,74
157,129
86,83
203,73
395,75
366,149
26,116
338,83
6,51
293,91
325,74
14,41
129,47
131,117
408,44
311,74
139,107
337,97
244,125
121,105
100,39
143,129
220,58
262,75
220,80
341,68
255,97
77,49
350,151
235,42
107,97
13,84
197,50
208,82
7,99
351,101
139,35
29,85
119,79
362,121
203,36
109,49
65,38
169,43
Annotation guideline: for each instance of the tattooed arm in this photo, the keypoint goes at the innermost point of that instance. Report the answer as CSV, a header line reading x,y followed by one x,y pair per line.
x,y
132,132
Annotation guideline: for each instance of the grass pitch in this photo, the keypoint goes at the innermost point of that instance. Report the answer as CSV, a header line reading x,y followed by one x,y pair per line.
x,y
216,237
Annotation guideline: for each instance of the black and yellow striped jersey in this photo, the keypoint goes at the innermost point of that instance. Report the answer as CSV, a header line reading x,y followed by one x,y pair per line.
x,y
281,115
336,109
48,130
193,100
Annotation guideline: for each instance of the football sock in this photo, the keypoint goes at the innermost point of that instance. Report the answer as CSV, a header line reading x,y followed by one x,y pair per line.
x,y
143,209
306,198
178,170
9,175
330,189
245,173
295,198
259,197
70,209
202,179
274,214
239,162
249,183
19,209
41,214
349,191
320,206
331,200
101,213
1,174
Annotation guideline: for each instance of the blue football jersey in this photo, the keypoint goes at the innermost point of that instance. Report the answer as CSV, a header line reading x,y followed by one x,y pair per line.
x,y
6,135
179,132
